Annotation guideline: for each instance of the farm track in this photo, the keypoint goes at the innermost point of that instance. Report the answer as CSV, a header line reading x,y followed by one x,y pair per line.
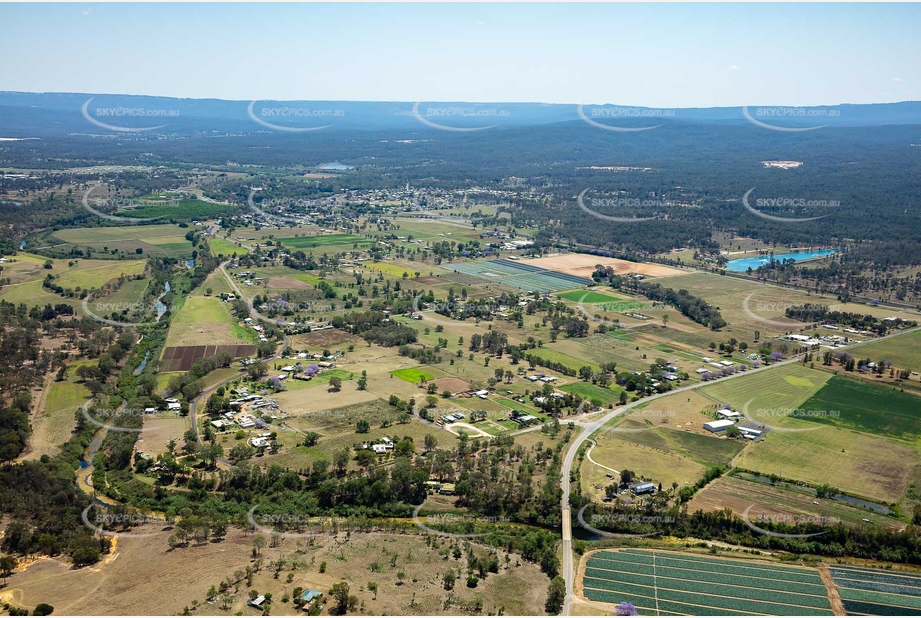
x,y
834,599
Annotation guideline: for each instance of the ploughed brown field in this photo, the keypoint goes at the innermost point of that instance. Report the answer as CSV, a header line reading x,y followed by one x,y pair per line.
x,y
181,358
583,265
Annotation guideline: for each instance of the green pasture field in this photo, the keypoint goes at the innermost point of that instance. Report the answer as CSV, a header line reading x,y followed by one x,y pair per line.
x,y
777,392
413,374
397,269
325,240
31,293
558,357
766,302
587,390
82,235
865,406
52,426
587,297
904,351
219,246
98,276
848,460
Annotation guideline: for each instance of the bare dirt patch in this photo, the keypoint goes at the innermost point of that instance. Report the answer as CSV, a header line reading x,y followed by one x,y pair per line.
x,y
288,283
323,338
582,265
455,385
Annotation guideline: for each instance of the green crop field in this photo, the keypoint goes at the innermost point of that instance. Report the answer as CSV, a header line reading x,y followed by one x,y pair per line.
x,y
878,592
667,583
865,406
587,297
413,374
310,242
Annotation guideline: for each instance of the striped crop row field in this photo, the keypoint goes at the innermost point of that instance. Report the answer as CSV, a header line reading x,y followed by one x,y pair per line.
x,y
666,583
510,273
877,592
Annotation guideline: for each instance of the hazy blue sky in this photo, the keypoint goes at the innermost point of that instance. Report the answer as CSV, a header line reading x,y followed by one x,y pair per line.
x,y
669,55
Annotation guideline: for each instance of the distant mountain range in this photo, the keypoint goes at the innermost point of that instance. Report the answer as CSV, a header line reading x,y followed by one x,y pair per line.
x,y
24,114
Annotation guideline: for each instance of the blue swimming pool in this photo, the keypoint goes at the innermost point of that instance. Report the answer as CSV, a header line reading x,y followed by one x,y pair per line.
x,y
743,264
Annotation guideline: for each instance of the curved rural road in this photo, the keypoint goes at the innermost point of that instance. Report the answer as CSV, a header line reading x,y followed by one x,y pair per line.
x,y
590,428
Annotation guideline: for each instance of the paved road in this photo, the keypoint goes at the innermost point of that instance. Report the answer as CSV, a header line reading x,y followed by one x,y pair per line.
x,y
590,428
207,393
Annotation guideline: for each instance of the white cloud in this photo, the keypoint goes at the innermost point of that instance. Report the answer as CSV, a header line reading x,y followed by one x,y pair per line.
x,y
897,79
734,67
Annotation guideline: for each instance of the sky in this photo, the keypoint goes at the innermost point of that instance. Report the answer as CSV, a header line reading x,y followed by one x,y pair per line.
x,y
653,55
